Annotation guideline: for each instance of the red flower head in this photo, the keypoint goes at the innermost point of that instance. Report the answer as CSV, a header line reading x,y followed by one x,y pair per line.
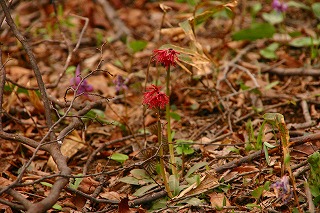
x,y
154,98
166,57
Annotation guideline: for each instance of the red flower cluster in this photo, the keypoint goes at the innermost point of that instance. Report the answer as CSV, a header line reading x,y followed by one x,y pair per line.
x,y
166,57
154,98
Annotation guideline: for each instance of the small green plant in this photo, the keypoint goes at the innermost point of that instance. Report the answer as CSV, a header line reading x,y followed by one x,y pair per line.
x,y
74,183
119,157
314,178
183,147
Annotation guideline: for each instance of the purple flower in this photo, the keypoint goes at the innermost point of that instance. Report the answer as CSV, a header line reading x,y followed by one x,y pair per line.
x,y
282,189
166,57
279,6
120,83
84,87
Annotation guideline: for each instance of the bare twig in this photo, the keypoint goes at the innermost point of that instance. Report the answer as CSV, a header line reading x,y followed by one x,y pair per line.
x,y
120,27
302,71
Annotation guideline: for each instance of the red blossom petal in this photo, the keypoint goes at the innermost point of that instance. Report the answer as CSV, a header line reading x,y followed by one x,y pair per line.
x,y
166,57
154,98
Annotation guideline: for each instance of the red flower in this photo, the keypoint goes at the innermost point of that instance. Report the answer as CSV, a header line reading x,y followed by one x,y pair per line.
x,y
154,98
166,57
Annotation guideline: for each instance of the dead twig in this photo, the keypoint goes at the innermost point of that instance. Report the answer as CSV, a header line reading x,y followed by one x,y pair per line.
x,y
302,71
120,27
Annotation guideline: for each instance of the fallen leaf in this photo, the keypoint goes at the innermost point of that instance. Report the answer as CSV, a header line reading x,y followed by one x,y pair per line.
x,y
218,200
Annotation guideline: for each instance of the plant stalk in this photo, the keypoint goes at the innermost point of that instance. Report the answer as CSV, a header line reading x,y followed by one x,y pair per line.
x,y
171,150
162,168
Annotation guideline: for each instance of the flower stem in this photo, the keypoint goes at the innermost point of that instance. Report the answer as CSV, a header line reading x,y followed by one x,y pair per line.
x,y
162,168
171,150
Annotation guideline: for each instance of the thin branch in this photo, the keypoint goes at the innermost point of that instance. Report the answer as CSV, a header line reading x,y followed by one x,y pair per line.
x,y
2,83
33,63
302,71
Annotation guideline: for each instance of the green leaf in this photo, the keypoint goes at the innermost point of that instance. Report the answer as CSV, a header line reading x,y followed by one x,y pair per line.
x,y
174,184
119,157
159,204
304,42
195,167
253,205
257,192
142,191
260,135
139,174
266,185
57,207
316,9
266,154
46,184
194,201
129,180
256,7
269,86
268,145
175,116
71,70
137,45
76,183
193,179
269,51
273,17
256,31
298,4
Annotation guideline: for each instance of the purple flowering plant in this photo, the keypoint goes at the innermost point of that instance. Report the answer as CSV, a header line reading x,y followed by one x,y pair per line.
x,y
120,83
80,85
279,6
282,189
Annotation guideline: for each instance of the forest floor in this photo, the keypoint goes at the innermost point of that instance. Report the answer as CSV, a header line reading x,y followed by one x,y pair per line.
x,y
244,106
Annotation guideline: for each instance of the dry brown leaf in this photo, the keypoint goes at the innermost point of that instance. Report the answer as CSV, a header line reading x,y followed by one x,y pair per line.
x,y
36,102
88,185
71,145
209,182
218,200
110,195
4,181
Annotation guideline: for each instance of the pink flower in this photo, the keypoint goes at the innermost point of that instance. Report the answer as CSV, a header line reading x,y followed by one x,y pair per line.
x,y
166,57
84,87
154,98
279,6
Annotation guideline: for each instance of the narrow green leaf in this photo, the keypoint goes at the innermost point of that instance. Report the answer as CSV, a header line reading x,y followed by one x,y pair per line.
x,y
195,167
266,154
174,184
297,4
304,42
129,180
139,174
269,86
46,184
260,135
142,191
